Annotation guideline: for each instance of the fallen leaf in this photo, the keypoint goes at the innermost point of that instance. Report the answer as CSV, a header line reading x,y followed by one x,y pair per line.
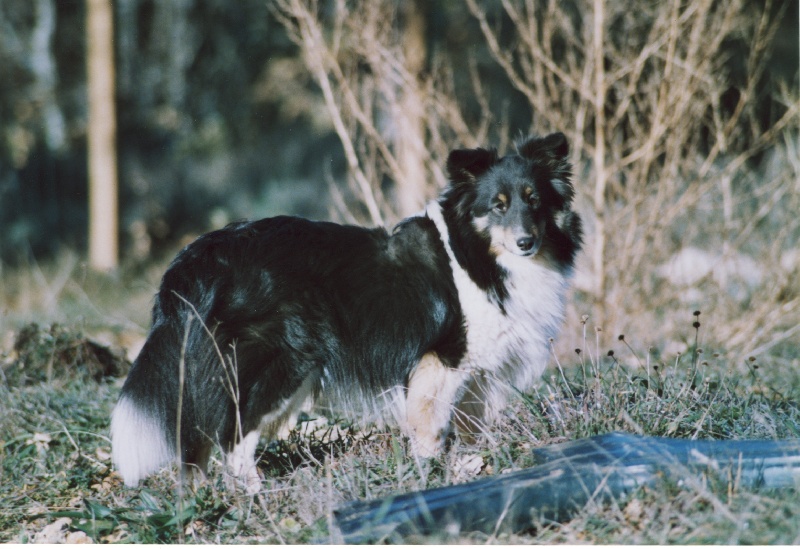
x,y
468,466
633,511
78,537
41,441
53,533
103,454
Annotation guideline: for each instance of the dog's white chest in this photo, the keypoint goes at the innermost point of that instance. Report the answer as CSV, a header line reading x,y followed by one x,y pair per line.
x,y
514,345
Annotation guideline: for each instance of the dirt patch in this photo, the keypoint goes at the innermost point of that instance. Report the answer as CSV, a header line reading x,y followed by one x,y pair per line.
x,y
42,353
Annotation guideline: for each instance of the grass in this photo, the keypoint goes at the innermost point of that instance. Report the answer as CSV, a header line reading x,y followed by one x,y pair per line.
x,y
57,390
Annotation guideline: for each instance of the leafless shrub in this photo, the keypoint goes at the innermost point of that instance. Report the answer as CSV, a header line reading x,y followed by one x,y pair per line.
x,y
668,143
394,124
667,140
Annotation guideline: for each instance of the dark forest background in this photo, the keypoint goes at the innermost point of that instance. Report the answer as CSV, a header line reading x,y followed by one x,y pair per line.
x,y
217,117
682,116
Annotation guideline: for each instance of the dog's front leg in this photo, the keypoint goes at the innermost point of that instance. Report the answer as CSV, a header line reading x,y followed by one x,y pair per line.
x,y
433,389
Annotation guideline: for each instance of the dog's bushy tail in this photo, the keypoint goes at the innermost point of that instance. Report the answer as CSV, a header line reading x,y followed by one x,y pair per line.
x,y
179,367
143,424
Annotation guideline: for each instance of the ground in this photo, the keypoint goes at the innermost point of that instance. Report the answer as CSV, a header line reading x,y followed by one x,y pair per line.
x,y
61,377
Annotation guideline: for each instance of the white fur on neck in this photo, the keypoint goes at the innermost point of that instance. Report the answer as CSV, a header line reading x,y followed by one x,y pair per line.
x,y
511,349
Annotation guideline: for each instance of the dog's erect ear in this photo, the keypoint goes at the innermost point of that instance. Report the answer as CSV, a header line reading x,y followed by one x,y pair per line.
x,y
554,147
552,151
468,164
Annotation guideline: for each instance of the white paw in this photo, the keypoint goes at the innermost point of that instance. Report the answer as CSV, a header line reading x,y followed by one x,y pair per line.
x,y
242,464
427,446
251,481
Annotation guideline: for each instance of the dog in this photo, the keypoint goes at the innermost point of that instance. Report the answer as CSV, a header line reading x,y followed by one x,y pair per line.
x,y
439,321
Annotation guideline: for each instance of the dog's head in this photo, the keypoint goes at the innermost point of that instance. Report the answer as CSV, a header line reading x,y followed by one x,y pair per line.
x,y
520,203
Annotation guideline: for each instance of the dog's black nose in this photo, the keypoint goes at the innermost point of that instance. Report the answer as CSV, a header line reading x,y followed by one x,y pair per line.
x,y
525,244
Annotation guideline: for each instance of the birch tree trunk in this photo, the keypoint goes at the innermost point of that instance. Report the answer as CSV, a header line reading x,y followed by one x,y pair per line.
x,y
101,135
409,116
599,161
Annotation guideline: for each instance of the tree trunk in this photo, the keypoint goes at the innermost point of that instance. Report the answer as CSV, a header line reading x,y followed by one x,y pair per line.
x,y
599,160
409,116
101,135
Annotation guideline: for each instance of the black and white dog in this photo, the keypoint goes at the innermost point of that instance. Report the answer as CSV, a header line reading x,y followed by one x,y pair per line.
x,y
439,321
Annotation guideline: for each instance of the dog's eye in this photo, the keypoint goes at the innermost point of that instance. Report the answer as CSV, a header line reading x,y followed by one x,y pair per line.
x,y
500,207
533,201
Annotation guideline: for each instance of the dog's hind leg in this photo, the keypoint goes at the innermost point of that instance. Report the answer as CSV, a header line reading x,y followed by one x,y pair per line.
x,y
242,463
433,389
241,459
195,465
472,414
